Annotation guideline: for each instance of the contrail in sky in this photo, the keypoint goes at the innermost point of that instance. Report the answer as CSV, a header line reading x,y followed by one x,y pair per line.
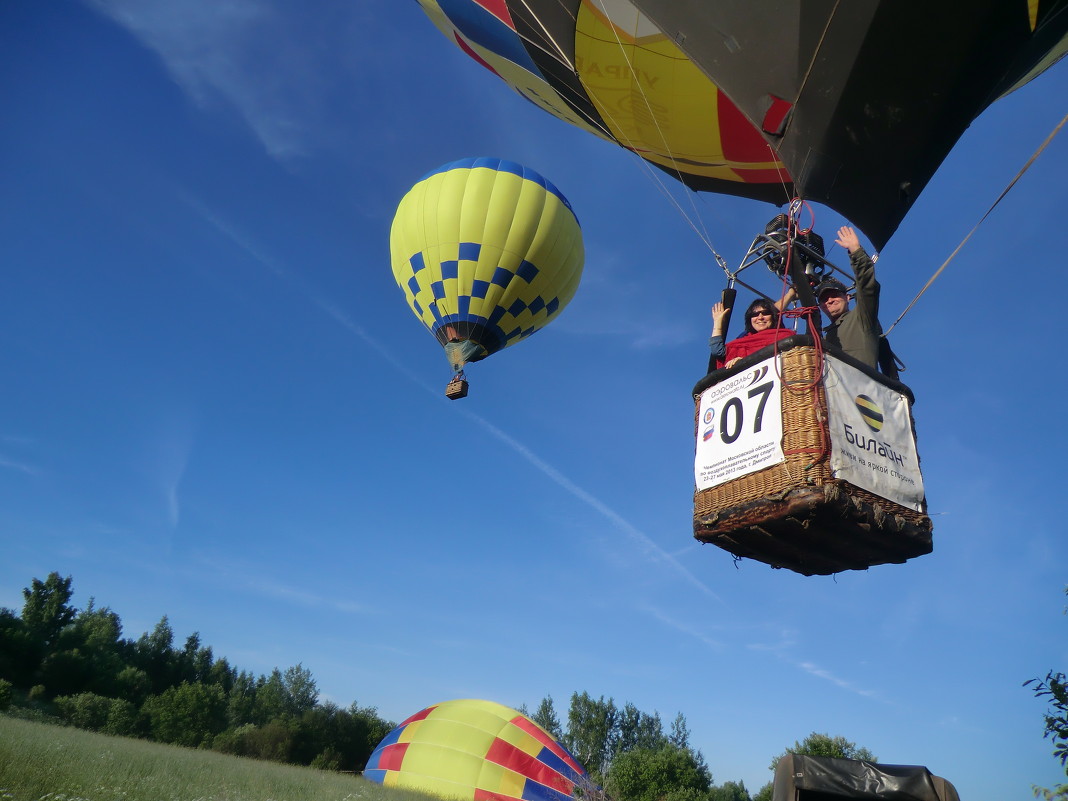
x,y
644,542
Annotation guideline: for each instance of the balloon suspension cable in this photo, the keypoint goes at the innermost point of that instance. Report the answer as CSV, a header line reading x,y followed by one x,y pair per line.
x,y
1056,130
702,232
722,262
816,52
793,231
559,53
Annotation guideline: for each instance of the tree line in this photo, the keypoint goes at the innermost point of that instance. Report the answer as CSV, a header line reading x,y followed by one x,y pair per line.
x,y
62,664
629,753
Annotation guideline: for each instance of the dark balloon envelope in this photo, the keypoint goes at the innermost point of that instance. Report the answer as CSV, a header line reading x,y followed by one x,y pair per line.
x,y
863,100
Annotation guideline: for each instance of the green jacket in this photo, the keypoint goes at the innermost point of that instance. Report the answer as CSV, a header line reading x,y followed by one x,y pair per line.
x,y
857,331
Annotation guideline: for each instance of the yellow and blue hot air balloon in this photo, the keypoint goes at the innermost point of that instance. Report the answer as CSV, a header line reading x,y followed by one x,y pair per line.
x,y
476,751
486,252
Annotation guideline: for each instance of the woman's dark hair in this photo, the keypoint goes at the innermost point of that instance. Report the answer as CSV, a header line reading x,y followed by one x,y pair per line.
x,y
766,305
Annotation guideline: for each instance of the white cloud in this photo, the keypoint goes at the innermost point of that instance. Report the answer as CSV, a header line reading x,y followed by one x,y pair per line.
x,y
236,53
21,467
267,587
650,550
822,673
684,628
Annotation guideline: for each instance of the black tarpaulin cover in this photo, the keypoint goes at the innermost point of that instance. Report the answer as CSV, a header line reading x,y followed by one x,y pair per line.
x,y
808,778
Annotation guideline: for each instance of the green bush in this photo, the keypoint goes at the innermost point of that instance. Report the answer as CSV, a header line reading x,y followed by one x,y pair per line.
x,y
273,741
189,715
329,759
84,710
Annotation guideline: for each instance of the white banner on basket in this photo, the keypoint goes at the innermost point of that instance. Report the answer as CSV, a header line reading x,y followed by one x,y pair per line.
x,y
739,426
872,444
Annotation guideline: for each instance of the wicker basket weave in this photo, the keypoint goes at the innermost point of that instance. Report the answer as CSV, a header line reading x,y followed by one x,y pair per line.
x,y
456,389
795,514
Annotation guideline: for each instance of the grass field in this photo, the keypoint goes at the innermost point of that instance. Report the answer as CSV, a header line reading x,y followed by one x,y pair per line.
x,y
39,762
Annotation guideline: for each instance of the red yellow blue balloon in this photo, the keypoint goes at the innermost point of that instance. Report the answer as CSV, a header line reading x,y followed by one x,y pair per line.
x,y
476,751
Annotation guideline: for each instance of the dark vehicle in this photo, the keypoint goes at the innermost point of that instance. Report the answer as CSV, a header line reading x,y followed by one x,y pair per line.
x,y
809,778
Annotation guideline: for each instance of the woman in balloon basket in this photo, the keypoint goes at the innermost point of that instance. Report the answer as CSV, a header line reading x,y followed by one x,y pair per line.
x,y
762,327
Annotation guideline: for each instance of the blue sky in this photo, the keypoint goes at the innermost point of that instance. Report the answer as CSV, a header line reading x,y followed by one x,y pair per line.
x,y
217,405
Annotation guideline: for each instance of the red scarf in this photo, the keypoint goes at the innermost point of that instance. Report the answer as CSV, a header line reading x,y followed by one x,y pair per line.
x,y
750,343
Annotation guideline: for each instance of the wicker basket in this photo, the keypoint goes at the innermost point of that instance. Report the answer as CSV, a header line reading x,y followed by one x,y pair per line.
x,y
456,389
795,514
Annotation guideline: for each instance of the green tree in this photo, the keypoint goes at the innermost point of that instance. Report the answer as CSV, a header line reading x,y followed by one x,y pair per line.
x,y
46,610
222,674
5,694
98,713
84,710
314,731
636,729
545,716
273,741
133,684
193,663
591,726
667,772
189,714
271,699
241,702
729,791
367,731
18,654
680,732
329,759
65,672
823,745
96,635
123,719
1054,688
301,690
154,654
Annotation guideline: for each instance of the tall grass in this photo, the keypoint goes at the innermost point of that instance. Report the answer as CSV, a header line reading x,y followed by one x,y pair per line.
x,y
39,762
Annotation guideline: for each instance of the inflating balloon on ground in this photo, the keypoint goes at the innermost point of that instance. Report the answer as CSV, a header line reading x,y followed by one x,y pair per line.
x,y
475,751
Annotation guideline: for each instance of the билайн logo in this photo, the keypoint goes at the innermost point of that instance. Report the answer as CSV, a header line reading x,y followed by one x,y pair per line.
x,y
870,411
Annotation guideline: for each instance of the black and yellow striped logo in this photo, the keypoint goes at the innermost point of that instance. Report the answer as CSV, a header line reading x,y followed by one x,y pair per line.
x,y
870,411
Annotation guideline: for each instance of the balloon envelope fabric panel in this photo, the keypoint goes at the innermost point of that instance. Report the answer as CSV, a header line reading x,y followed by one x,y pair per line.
x,y
486,250
472,749
863,100
602,66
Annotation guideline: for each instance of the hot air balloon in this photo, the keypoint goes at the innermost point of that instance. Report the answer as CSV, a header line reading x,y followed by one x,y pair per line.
x,y
476,750
850,104
487,252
